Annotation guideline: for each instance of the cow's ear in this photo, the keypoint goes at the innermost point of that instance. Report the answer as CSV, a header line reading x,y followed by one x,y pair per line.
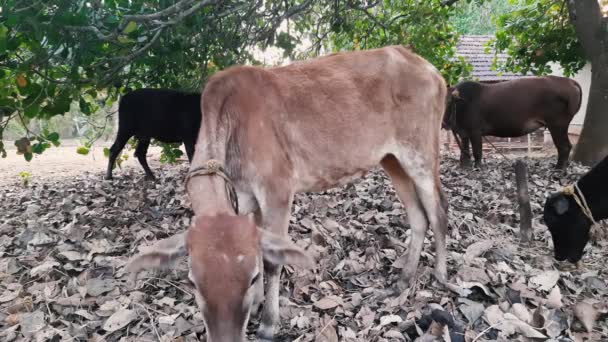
x,y
163,254
280,251
561,205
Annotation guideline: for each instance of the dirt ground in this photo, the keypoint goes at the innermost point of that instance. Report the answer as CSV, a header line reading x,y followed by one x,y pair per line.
x,y
63,162
65,240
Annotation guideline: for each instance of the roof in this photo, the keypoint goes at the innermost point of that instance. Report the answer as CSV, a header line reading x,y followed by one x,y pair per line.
x,y
472,48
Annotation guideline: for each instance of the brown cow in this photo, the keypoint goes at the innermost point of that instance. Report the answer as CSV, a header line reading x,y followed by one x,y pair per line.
x,y
512,109
308,126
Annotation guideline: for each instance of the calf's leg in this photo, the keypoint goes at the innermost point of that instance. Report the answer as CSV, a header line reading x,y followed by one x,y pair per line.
x,y
559,133
417,218
121,140
421,170
140,153
275,208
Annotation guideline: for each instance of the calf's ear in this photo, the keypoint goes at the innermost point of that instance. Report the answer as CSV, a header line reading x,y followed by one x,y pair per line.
x,y
561,205
280,251
162,254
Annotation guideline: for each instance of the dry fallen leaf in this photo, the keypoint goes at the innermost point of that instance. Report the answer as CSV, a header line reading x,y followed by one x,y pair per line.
x,y
587,314
554,300
119,320
31,322
546,280
80,232
329,302
388,319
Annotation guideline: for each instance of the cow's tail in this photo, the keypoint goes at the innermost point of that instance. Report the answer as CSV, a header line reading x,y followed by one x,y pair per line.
x,y
575,101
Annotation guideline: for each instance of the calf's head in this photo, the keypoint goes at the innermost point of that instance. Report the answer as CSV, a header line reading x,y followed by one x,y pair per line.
x,y
568,225
452,97
224,253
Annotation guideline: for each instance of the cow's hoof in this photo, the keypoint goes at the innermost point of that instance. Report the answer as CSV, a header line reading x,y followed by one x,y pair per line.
x,y
465,164
150,178
265,333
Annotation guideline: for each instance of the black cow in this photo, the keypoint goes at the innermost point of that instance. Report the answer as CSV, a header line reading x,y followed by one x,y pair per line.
x,y
166,115
566,220
512,109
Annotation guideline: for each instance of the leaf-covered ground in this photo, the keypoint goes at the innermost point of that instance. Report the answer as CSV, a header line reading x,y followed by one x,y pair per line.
x,y
64,244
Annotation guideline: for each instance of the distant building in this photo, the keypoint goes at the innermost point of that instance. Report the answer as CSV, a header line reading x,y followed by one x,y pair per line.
x,y
473,49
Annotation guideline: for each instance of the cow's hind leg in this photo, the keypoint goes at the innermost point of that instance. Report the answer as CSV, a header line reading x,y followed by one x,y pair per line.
x,y
140,153
275,209
559,134
121,140
417,218
425,177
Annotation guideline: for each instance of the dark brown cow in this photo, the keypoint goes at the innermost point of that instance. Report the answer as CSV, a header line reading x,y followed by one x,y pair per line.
x,y
308,126
512,109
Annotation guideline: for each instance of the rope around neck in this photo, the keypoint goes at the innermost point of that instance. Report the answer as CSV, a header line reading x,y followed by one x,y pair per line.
x,y
214,167
574,191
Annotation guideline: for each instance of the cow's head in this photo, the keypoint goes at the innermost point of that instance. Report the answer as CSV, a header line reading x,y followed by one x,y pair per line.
x,y
569,227
225,256
449,117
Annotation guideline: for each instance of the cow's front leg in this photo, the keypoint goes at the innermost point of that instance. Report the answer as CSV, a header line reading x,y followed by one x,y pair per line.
x,y
275,210
465,154
476,142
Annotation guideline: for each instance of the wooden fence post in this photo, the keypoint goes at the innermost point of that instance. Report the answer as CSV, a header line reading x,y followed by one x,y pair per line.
x,y
523,198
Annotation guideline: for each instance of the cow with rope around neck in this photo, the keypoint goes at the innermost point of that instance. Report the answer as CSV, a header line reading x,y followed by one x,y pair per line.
x,y
572,213
269,133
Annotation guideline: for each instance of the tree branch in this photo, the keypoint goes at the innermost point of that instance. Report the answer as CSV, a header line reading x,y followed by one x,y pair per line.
x,y
143,49
178,6
94,30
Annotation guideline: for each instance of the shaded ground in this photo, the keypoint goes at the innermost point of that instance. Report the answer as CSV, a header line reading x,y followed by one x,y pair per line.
x,y
63,162
64,243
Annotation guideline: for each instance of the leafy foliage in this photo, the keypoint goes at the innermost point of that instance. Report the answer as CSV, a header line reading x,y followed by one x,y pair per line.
x,y
479,17
58,52
537,33
423,26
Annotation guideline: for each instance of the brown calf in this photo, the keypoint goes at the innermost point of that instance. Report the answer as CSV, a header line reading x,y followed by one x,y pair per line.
x,y
308,126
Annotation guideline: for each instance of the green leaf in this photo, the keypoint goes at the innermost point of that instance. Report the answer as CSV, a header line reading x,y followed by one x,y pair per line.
x,y
82,150
53,136
31,111
106,152
85,107
125,40
3,39
38,148
131,26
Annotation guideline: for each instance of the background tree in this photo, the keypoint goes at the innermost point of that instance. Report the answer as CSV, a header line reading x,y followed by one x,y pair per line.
x,y
423,26
56,52
570,33
479,17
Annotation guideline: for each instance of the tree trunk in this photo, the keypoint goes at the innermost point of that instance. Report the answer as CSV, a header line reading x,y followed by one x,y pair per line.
x,y
592,31
592,146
